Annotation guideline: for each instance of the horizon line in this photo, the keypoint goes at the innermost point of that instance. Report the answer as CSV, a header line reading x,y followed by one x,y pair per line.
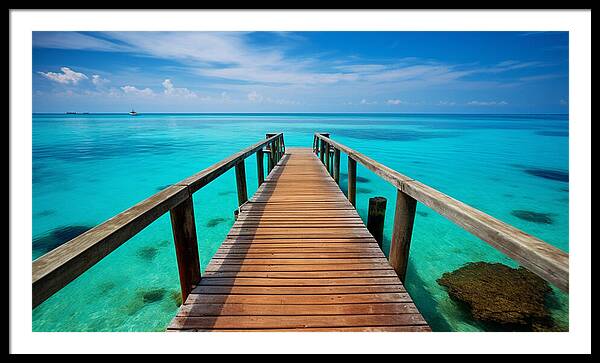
x,y
315,112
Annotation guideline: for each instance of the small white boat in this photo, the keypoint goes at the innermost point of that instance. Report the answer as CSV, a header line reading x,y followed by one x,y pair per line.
x,y
132,112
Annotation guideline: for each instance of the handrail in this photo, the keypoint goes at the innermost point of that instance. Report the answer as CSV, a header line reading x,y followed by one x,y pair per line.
x,y
55,269
541,258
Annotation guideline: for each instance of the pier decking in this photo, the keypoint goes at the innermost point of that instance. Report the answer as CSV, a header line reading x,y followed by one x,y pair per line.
x,y
299,258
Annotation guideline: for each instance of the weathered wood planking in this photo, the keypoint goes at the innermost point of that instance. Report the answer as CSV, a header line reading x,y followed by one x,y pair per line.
x,y
543,259
299,258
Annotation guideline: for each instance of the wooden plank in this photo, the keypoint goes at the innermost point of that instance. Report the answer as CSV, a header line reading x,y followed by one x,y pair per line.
x,y
298,299
297,290
219,266
303,274
266,322
228,309
268,281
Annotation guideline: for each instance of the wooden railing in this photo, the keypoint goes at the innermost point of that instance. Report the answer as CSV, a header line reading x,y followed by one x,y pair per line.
x,y
541,258
54,270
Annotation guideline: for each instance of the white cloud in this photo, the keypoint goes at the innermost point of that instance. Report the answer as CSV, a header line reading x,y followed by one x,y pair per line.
x,y
99,81
394,102
67,76
171,90
487,103
255,97
364,101
446,103
131,90
73,40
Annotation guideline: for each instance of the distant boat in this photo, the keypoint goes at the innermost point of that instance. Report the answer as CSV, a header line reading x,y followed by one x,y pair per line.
x,y
133,113
71,113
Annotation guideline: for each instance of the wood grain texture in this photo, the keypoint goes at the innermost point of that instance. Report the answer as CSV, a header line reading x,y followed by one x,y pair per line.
x,y
299,258
541,258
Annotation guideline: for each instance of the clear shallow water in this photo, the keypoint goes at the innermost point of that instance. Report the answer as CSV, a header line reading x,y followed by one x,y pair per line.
x,y
87,168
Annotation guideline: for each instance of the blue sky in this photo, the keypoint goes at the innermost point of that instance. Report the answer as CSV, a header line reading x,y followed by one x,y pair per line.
x,y
438,72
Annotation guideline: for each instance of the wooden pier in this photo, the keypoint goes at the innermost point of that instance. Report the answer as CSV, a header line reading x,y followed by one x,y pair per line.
x,y
298,257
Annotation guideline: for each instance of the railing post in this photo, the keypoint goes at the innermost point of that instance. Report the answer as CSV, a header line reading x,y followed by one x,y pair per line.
x,y
278,141
376,218
352,181
324,146
322,151
271,150
260,167
336,166
328,158
240,180
404,219
186,245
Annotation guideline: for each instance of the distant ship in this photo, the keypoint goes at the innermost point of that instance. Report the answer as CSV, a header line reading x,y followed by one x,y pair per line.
x,y
71,113
132,112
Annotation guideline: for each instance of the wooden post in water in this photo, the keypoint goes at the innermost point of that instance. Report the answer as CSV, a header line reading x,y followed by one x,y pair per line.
x,y
186,245
404,219
260,167
376,218
352,181
240,180
336,166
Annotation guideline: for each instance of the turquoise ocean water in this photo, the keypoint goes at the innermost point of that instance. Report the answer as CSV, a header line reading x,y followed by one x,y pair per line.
x,y
87,168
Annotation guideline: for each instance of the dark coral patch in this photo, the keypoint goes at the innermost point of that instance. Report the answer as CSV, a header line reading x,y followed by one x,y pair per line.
x,y
557,175
215,222
364,190
152,295
105,287
423,214
226,192
175,296
359,179
57,237
163,187
45,213
147,253
511,299
535,217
